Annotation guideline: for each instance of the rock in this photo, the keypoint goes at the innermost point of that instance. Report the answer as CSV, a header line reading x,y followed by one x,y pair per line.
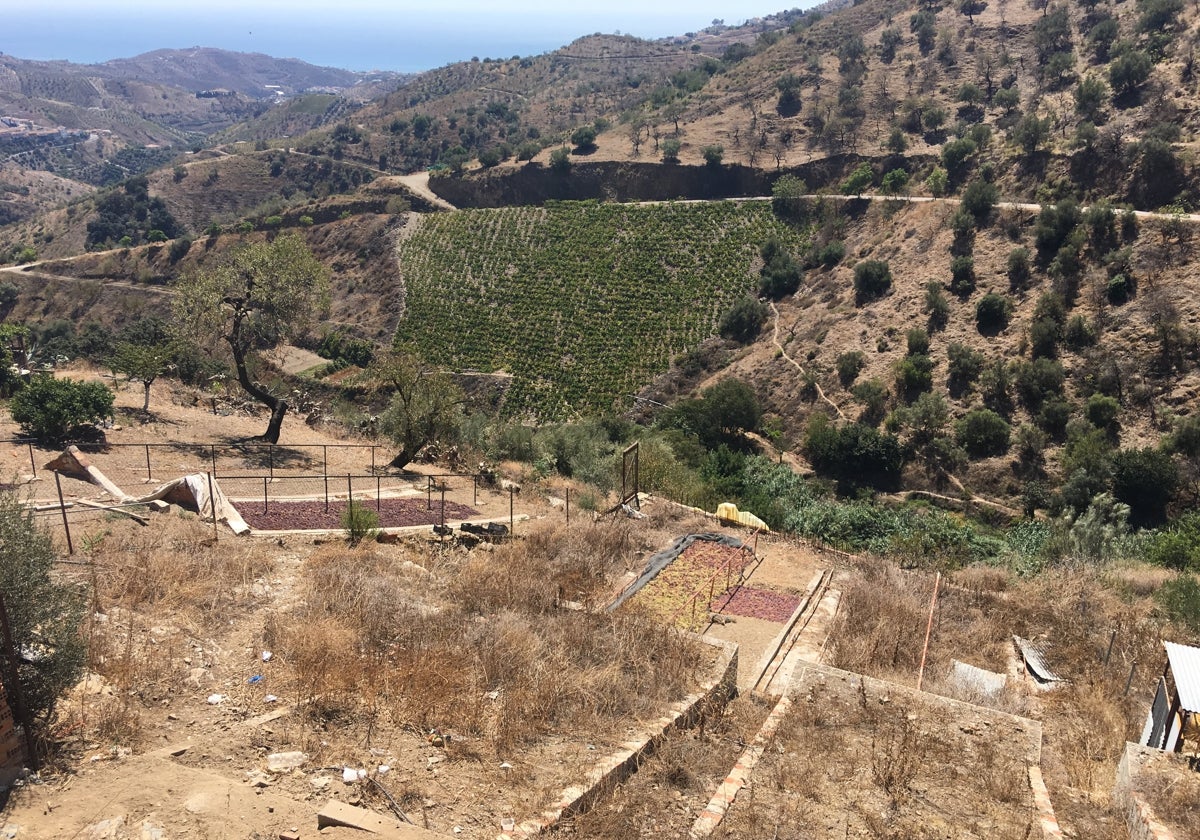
x,y
321,782
258,779
285,762
105,829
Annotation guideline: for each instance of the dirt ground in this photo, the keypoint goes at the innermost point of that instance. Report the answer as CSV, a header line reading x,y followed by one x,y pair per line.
x,y
170,735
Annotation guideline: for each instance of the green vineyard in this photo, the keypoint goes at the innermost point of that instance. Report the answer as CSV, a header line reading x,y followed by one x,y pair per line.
x,y
582,303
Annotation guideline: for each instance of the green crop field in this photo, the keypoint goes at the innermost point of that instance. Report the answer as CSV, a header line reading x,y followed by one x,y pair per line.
x,y
583,303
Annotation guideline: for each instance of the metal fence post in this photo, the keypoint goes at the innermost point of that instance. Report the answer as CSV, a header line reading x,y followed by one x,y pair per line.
x,y
512,522
443,516
568,505
349,491
372,458
325,459
32,463
378,495
264,494
62,507
326,477
271,460
212,503
149,475
428,492
213,454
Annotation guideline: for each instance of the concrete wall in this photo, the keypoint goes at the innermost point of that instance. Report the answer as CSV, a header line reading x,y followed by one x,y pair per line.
x,y
1138,814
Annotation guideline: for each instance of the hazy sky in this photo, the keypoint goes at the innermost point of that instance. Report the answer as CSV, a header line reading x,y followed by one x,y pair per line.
x,y
355,34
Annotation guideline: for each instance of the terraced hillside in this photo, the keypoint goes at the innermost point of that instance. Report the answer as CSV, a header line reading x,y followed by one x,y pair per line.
x,y
582,303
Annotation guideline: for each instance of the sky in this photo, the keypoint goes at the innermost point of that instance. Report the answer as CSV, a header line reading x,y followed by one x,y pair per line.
x,y
353,34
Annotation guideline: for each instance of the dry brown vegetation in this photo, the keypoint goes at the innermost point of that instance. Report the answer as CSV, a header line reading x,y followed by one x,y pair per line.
x,y
859,758
475,644
1087,720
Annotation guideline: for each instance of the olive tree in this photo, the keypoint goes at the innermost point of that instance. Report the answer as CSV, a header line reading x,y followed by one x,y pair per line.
x,y
260,295
425,403
43,613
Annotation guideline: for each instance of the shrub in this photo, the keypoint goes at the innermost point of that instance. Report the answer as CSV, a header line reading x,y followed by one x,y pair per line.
x,y
1119,290
584,139
1079,333
831,254
53,410
780,274
979,199
983,432
43,613
744,320
849,366
936,306
962,275
1053,416
853,454
1144,479
965,366
917,341
873,396
1037,381
670,150
1018,268
360,523
937,182
1043,338
859,180
560,159
713,155
1177,547
872,280
1181,600
992,313
894,182
1101,411
914,376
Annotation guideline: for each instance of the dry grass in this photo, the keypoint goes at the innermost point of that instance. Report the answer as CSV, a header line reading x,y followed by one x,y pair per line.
x,y
860,760
1172,789
478,649
881,626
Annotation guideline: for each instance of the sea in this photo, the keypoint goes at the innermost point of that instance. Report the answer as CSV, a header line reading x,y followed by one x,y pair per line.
x,y
353,35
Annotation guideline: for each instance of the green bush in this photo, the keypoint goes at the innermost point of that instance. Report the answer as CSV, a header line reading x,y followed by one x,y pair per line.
x,y
1018,268
44,612
849,366
744,320
937,307
982,433
1101,411
1180,598
1079,333
830,254
1037,381
1177,547
917,341
962,275
1043,338
965,366
992,313
360,523
781,274
914,376
1144,479
54,410
872,280
853,454
980,199
859,180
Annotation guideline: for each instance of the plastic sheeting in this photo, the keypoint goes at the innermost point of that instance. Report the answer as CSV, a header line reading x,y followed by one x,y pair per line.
x,y
662,559
191,492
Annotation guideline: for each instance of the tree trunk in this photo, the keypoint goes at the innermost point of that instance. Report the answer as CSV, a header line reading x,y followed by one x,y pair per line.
x,y
146,402
277,405
402,459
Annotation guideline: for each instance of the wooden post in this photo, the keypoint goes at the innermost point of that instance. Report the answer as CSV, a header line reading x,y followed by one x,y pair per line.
x,y
1129,682
212,503
1111,640
63,507
568,505
511,519
32,463
213,454
928,629
14,686
474,488
149,477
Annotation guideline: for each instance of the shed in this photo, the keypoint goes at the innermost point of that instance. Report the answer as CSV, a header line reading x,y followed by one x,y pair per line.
x,y
1173,723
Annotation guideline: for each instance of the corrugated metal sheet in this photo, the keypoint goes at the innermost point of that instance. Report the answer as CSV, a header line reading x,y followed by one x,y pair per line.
x,y
1034,654
977,679
1185,668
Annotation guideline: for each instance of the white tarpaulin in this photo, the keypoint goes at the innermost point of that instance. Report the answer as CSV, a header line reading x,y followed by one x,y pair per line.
x,y
191,492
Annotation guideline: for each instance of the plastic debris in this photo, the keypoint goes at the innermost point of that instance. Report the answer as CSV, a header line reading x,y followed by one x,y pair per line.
x,y
216,699
270,698
267,655
350,775
286,761
257,678
383,770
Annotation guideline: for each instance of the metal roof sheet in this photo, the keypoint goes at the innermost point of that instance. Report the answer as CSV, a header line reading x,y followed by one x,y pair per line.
x,y
1034,654
1185,668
